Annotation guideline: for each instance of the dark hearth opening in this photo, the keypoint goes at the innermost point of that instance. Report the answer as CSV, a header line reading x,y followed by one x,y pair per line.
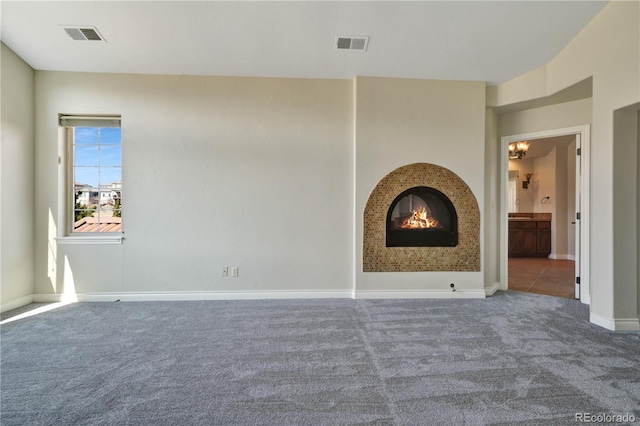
x,y
422,217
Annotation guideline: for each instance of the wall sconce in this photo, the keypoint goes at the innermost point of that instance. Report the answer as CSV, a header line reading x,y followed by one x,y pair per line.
x,y
518,149
525,183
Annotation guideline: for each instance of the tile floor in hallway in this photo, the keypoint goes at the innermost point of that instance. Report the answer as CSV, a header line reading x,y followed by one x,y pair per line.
x,y
542,276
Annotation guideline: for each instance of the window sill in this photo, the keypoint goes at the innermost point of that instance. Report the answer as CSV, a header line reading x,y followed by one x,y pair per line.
x,y
91,239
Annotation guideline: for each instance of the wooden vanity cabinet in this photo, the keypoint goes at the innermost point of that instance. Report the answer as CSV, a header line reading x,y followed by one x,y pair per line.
x,y
529,238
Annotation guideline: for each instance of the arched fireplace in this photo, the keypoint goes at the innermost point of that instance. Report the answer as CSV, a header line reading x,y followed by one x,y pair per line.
x,y
452,245
422,217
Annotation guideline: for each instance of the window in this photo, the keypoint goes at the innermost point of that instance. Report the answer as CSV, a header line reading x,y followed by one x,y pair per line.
x,y
94,174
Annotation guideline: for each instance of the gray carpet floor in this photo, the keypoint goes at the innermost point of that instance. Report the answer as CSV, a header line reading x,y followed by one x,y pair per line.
x,y
514,358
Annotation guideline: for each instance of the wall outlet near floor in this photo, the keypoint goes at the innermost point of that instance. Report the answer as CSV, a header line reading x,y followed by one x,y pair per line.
x,y
234,271
225,271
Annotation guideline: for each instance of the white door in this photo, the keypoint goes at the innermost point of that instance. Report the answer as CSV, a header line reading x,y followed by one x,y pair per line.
x,y
577,219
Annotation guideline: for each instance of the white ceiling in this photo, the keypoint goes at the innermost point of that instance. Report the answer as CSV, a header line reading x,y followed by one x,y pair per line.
x,y
542,147
453,40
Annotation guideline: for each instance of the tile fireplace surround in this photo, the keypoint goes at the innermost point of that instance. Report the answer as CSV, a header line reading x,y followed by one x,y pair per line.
x,y
379,258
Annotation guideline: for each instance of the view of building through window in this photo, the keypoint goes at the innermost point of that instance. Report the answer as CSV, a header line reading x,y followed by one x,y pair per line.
x,y
97,177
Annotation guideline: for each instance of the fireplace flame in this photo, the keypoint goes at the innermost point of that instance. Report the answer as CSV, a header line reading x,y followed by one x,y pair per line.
x,y
419,220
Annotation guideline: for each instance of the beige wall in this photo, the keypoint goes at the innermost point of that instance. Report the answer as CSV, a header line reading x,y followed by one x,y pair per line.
x,y
567,114
255,173
491,209
625,209
525,196
607,49
404,121
245,172
16,180
543,183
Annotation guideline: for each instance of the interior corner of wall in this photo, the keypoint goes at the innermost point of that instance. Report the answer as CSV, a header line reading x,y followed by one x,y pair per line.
x,y
492,289
532,85
491,96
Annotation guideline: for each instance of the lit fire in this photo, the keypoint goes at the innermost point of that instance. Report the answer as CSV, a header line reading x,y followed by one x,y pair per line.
x,y
419,220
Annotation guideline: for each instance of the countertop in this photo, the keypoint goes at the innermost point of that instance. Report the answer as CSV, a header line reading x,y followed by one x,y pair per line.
x,y
532,217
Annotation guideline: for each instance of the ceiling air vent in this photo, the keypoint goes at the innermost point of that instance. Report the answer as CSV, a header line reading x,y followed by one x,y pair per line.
x,y
352,42
83,33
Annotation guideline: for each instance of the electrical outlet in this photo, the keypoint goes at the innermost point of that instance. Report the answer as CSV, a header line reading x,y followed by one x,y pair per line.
x,y
234,271
225,271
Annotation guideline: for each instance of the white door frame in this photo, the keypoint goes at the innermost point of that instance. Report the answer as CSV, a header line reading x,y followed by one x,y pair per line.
x,y
583,207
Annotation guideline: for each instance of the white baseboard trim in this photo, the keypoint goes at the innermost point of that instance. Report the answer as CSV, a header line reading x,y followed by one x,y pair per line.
x,y
16,303
491,290
607,323
197,295
46,298
627,324
586,299
622,324
556,256
420,294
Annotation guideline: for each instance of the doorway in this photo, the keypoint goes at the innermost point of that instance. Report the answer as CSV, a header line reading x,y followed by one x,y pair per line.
x,y
553,277
551,181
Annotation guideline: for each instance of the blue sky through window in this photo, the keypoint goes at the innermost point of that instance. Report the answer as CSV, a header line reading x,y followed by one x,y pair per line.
x,y
97,155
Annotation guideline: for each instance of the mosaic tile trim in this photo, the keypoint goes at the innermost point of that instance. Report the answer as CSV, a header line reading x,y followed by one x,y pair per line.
x,y
465,256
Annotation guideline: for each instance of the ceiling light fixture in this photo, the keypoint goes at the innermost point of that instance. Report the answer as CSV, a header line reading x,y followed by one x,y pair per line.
x,y
518,150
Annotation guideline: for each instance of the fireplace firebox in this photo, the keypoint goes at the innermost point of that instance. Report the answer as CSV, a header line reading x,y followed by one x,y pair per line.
x,y
422,217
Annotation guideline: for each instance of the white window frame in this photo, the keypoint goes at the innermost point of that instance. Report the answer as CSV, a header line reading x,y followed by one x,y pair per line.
x,y
66,180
